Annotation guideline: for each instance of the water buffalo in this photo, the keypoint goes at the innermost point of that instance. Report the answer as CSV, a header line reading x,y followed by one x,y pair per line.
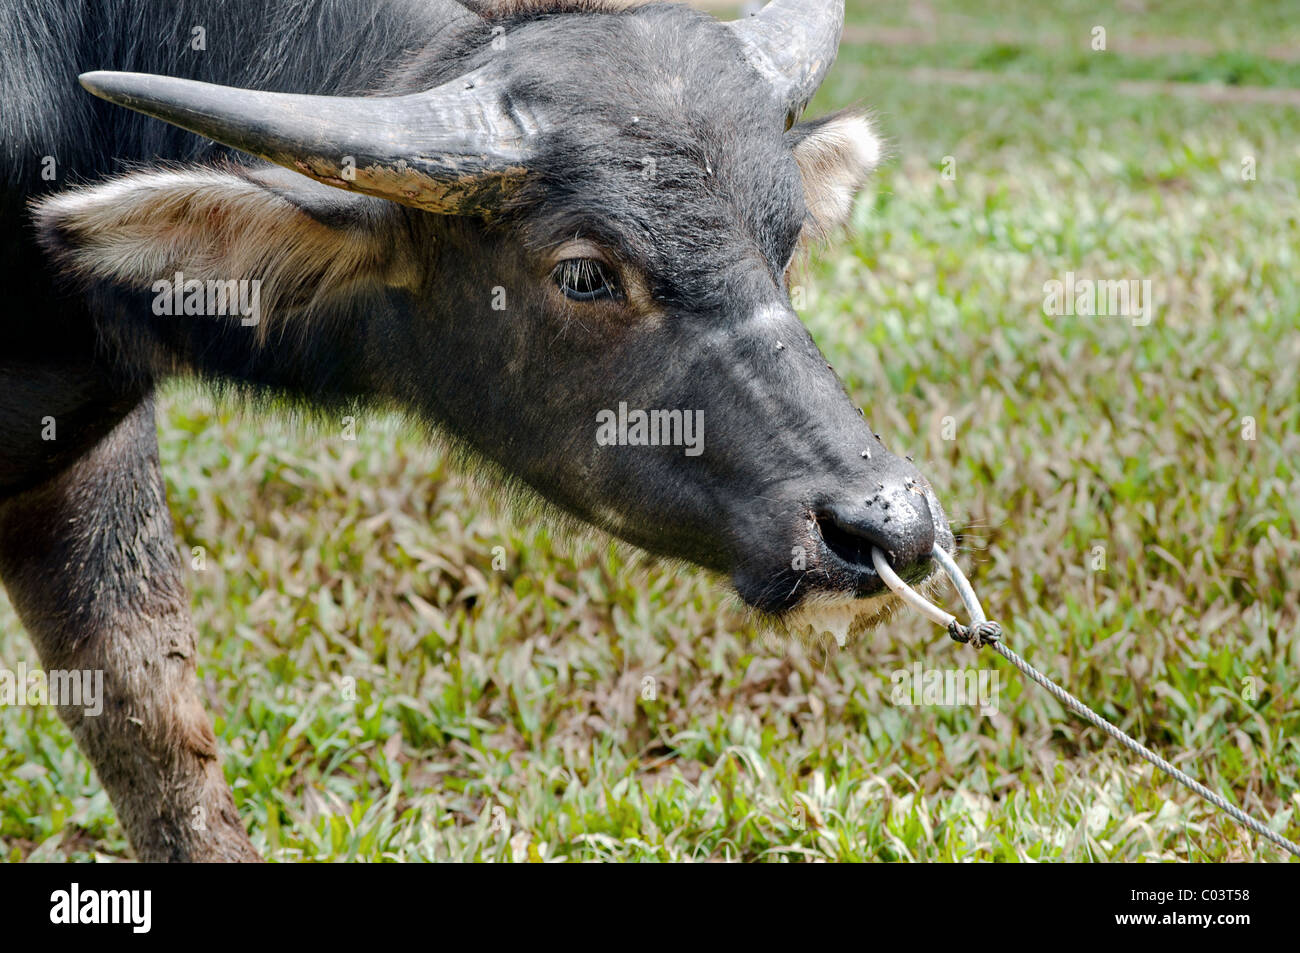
x,y
559,231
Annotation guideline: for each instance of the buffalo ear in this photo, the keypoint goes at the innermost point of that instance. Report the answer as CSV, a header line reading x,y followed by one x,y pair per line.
x,y
303,241
835,154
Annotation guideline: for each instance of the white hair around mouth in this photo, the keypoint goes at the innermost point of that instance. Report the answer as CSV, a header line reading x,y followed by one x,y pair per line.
x,y
840,615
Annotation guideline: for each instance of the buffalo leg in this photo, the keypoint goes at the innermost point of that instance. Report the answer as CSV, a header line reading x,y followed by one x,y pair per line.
x,y
90,562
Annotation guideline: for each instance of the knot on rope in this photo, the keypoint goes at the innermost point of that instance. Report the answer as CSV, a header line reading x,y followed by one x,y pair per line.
x,y
978,634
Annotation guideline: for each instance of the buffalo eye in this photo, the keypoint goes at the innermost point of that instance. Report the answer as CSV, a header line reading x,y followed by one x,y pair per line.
x,y
585,279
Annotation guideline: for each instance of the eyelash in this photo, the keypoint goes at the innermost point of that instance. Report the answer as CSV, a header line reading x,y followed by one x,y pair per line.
x,y
585,279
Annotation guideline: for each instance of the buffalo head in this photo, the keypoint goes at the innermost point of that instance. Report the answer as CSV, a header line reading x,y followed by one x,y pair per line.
x,y
562,233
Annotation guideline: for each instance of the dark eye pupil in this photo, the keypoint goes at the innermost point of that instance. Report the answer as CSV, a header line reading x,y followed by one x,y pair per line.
x,y
584,279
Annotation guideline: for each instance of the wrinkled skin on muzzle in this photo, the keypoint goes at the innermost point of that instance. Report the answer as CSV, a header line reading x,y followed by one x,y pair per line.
x,y
790,488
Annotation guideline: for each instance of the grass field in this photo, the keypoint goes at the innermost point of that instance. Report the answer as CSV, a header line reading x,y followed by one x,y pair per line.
x,y
1126,496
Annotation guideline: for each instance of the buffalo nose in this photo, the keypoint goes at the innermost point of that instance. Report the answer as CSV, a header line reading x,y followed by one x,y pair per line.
x,y
895,519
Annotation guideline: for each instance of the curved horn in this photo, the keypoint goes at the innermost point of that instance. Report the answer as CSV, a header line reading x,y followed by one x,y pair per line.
x,y
792,44
453,149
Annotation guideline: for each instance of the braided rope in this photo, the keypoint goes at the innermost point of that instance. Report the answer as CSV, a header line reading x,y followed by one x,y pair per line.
x,y
1142,751
982,632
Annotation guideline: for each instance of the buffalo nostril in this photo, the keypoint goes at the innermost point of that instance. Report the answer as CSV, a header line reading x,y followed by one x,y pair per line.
x,y
897,521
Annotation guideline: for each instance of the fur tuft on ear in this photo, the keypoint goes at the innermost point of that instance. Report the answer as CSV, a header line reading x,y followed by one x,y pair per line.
x,y
836,154
301,241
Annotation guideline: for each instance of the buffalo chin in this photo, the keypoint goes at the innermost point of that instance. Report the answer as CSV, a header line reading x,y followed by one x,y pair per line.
x,y
837,615
841,615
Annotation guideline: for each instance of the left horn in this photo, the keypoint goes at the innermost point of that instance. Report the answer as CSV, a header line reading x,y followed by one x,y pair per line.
x,y
792,44
453,149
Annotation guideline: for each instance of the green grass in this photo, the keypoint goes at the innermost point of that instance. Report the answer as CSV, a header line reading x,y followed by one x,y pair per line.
x,y
1055,61
504,714
1256,25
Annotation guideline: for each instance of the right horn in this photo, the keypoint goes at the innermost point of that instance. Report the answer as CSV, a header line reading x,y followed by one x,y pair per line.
x,y
454,149
792,44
